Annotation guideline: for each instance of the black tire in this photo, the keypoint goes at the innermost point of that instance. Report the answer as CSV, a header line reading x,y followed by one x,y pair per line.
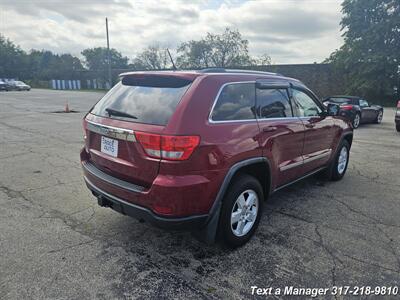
x,y
356,124
332,173
378,119
240,184
398,127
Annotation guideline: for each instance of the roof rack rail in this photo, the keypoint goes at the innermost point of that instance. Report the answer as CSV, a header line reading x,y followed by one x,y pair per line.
x,y
223,70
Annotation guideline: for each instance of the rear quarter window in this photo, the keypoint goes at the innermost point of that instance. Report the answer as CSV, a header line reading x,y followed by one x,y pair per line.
x,y
148,100
236,101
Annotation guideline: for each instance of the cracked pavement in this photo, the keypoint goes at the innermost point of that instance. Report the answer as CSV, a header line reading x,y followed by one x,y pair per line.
x,y
56,243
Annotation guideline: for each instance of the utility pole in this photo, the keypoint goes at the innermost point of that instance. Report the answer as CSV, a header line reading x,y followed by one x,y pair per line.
x,y
108,56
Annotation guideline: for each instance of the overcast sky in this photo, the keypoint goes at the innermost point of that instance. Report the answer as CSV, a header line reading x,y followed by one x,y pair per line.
x,y
290,31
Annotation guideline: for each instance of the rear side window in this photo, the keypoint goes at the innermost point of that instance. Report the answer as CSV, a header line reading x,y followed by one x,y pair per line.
x,y
149,100
235,102
273,103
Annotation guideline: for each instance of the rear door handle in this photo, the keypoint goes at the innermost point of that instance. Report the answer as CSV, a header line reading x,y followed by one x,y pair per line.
x,y
269,129
310,125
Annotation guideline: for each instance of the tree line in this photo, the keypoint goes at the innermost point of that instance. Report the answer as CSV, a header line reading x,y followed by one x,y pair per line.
x,y
228,49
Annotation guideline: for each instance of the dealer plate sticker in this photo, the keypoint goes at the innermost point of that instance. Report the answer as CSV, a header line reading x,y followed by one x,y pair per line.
x,y
109,146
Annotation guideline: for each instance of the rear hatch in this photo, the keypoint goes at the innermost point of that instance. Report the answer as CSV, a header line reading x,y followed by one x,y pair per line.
x,y
140,103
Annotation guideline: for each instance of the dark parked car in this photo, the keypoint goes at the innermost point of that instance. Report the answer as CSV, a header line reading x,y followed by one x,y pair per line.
x,y
4,86
19,86
357,109
202,150
397,116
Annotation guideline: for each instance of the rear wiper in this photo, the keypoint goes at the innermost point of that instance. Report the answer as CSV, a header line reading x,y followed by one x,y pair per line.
x,y
118,113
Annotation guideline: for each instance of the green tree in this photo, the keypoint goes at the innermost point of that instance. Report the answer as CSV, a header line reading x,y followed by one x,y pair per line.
x,y
195,54
96,61
152,58
228,49
370,57
37,64
13,60
46,65
262,60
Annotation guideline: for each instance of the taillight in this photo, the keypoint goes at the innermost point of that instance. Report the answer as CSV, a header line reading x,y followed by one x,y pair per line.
x,y
346,107
151,143
398,104
178,147
169,147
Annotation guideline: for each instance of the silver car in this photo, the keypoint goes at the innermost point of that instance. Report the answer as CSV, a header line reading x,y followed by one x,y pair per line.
x,y
19,86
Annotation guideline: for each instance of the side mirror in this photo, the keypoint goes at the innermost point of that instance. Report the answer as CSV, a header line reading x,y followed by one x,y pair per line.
x,y
332,109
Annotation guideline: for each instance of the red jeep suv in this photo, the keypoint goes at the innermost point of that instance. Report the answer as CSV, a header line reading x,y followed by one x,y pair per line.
x,y
202,150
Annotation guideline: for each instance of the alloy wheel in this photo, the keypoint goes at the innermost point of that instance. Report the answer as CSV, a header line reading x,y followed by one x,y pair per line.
x,y
380,116
244,213
356,121
342,162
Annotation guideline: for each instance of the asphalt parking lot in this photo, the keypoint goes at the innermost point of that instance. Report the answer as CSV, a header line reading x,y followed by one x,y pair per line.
x,y
55,241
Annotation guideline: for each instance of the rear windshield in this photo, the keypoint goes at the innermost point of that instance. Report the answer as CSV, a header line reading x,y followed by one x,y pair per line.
x,y
340,100
143,100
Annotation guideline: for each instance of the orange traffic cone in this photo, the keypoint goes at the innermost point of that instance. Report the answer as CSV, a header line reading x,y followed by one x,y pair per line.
x,y
66,109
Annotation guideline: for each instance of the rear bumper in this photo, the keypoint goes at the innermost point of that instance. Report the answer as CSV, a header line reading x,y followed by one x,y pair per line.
x,y
170,201
141,213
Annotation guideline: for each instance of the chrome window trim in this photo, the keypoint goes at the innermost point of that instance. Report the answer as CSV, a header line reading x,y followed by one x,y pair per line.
x,y
111,131
210,120
282,119
232,121
265,119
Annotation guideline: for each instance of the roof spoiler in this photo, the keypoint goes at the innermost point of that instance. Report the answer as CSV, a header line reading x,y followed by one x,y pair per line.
x,y
239,71
154,80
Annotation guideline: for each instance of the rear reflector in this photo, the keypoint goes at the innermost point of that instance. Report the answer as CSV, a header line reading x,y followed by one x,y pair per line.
x,y
169,147
398,104
163,210
346,107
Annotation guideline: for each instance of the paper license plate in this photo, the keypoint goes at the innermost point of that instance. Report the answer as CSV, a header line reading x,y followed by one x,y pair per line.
x,y
109,146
